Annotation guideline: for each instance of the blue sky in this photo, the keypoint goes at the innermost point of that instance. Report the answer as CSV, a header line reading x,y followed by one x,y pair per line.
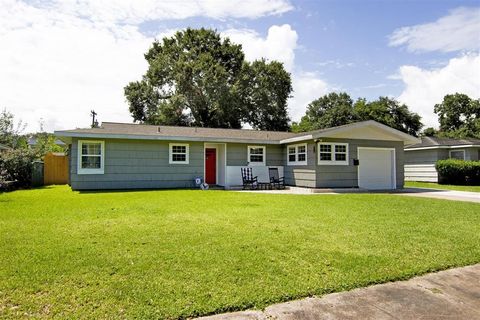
x,y
63,58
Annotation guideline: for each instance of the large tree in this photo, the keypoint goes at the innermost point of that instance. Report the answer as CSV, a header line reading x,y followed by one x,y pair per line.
x,y
459,116
335,109
196,78
265,88
389,112
9,131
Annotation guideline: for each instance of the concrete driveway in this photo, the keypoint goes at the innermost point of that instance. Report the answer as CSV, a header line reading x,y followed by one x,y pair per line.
x,y
451,294
413,192
441,194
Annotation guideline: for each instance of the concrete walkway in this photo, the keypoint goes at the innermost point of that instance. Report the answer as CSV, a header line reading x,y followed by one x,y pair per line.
x,y
451,294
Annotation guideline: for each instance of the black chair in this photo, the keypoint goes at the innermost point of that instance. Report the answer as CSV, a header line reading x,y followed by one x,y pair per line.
x,y
275,180
249,181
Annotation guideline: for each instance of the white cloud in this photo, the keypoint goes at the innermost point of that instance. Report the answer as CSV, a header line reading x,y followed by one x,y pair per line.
x,y
307,86
279,44
60,59
134,12
460,30
425,88
335,63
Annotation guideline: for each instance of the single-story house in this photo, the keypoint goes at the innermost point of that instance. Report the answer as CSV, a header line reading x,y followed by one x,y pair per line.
x,y
420,158
121,156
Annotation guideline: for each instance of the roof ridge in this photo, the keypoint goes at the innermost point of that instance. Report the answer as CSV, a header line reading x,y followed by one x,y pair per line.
x,y
196,127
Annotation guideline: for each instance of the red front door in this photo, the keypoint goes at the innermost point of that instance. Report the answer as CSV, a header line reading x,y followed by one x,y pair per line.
x,y
211,166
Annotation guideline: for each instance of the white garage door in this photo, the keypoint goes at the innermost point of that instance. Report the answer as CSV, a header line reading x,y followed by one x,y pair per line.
x,y
376,169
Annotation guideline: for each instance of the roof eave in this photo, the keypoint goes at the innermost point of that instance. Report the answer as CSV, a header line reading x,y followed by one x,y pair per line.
x,y
402,136
68,134
443,147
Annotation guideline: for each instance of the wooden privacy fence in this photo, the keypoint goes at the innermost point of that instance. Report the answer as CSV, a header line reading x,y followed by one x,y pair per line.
x,y
55,168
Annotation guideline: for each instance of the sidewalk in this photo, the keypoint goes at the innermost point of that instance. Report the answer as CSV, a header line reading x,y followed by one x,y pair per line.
x,y
451,294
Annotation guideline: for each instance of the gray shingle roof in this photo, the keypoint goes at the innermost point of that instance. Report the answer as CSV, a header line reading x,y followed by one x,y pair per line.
x,y
154,132
173,131
446,142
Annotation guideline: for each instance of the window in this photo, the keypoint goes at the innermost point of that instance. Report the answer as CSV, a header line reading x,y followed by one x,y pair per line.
x,y
333,153
179,153
297,154
256,155
90,157
457,154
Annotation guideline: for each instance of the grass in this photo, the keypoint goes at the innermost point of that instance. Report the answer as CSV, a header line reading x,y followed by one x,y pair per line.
x,y
416,184
181,253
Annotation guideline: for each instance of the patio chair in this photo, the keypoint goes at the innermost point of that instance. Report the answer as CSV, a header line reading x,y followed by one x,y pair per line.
x,y
249,181
275,180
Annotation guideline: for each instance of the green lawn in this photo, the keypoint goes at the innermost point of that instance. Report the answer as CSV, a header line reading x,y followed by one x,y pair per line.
x,y
416,184
180,253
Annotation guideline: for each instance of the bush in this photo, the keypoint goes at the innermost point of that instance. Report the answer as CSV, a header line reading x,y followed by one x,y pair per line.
x,y
453,171
16,165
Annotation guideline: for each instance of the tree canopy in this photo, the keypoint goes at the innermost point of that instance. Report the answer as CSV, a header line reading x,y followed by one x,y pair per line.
x,y
9,131
336,109
459,116
197,78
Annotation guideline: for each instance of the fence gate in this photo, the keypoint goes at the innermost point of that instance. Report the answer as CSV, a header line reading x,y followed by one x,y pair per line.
x,y
55,168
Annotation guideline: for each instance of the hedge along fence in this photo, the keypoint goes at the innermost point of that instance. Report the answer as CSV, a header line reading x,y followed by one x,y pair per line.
x,y
453,171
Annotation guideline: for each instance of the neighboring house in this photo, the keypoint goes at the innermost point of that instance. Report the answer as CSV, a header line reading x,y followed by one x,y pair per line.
x,y
420,158
32,142
120,156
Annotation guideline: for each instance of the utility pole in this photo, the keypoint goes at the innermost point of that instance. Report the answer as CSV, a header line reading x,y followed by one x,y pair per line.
x,y
93,114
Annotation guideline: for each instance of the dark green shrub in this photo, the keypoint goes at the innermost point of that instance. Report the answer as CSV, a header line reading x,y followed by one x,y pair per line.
x,y
16,165
453,171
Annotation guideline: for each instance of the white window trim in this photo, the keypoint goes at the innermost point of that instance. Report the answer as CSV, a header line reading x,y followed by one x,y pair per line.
x,y
296,162
333,162
81,170
450,154
170,153
257,163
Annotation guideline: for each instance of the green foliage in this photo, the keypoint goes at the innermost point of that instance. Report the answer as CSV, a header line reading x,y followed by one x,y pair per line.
x,y
429,132
335,109
265,88
184,253
45,144
389,112
16,165
197,78
459,116
459,172
9,132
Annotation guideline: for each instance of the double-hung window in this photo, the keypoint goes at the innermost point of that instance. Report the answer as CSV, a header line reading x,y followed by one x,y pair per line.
x,y
256,155
332,153
91,156
457,154
179,153
297,155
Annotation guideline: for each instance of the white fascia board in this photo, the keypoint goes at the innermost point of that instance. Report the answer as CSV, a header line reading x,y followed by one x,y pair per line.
x,y
444,147
297,139
406,138
66,134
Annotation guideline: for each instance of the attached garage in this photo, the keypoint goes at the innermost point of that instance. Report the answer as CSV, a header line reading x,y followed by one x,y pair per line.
x,y
376,170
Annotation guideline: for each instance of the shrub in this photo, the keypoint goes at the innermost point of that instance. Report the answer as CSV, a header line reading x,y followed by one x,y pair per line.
x,y
16,165
453,171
